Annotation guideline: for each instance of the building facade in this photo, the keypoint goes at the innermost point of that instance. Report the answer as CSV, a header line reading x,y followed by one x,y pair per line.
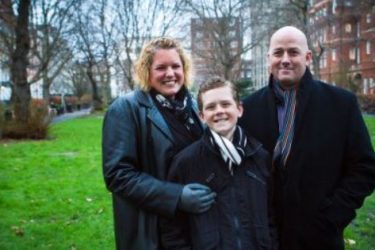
x,y
346,29
264,22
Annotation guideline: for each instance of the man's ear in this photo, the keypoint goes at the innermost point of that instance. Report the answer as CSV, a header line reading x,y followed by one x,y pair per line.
x,y
308,57
268,64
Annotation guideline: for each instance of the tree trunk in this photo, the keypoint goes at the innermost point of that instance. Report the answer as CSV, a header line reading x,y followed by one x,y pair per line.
x,y
97,101
46,85
21,95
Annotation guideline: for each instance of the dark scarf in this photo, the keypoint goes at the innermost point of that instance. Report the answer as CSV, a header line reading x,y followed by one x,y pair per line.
x,y
288,99
232,152
178,113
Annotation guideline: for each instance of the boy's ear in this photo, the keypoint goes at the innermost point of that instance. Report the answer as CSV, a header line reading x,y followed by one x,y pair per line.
x,y
201,116
240,109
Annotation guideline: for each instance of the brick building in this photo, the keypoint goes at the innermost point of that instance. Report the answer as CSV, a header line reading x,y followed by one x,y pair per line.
x,y
346,30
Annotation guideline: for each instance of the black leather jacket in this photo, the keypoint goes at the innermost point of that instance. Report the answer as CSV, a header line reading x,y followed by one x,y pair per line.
x,y
137,149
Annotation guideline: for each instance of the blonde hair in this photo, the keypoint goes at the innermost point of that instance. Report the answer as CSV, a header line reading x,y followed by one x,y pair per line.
x,y
142,66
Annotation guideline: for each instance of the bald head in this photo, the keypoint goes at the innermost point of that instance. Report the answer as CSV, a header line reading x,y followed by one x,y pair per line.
x,y
288,56
291,32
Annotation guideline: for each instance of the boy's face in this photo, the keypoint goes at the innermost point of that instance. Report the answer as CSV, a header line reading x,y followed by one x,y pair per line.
x,y
220,111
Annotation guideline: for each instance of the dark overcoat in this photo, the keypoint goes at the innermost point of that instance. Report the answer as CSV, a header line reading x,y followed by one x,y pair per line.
x,y
330,169
137,150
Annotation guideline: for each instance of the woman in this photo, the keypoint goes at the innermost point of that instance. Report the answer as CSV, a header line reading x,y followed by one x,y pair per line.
x,y
142,132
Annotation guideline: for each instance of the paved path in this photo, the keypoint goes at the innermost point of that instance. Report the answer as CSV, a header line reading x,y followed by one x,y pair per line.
x,y
68,116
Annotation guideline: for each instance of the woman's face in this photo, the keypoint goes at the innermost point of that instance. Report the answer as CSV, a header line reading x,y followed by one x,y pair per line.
x,y
166,72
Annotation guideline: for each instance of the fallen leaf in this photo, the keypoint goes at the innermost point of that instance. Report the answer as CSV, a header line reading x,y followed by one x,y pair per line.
x,y
18,231
350,241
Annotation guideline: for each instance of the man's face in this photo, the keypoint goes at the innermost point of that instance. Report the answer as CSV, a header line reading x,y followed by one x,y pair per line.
x,y
220,111
288,57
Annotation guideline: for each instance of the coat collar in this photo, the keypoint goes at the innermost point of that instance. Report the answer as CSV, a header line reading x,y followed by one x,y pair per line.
x,y
144,99
303,95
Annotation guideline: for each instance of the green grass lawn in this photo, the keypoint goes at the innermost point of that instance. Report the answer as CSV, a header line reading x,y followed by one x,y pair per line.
x,y
52,194
362,228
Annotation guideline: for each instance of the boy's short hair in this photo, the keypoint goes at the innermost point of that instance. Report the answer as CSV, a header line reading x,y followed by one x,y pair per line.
x,y
214,83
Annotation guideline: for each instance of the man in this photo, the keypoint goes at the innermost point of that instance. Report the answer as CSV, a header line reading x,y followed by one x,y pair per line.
x,y
323,161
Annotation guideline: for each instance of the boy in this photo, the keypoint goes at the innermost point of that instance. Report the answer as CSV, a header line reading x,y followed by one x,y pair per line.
x,y
234,166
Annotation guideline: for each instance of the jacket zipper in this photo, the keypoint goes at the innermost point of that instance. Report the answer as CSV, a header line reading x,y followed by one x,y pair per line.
x,y
252,175
235,220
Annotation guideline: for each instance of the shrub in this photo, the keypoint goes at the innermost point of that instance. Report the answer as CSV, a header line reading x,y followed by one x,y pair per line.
x,y
367,103
85,101
35,128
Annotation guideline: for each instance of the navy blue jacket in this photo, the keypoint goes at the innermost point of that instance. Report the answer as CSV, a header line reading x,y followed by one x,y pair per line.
x,y
331,166
239,217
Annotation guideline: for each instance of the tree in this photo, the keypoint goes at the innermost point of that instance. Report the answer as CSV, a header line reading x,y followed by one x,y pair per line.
x,y
224,24
88,46
95,45
244,86
50,32
134,27
21,95
297,12
76,74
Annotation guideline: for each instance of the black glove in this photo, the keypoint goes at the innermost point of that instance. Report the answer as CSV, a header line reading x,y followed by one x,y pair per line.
x,y
196,198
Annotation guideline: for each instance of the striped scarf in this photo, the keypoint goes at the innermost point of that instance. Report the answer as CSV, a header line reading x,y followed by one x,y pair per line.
x,y
285,139
233,151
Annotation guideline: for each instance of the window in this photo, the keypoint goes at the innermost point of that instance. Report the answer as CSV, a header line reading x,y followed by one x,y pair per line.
x,y
372,82
368,18
348,28
352,54
358,29
321,38
334,5
334,55
234,44
199,35
324,35
368,47
323,61
358,56
365,86
348,3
